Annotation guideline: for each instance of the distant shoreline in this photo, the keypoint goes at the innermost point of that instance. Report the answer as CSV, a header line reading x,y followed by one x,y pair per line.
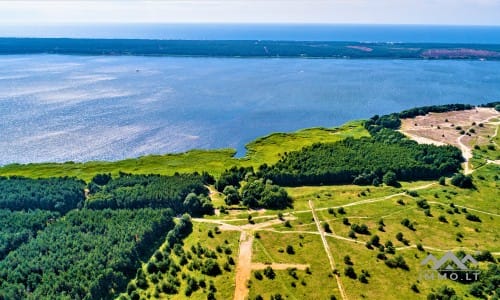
x,y
249,49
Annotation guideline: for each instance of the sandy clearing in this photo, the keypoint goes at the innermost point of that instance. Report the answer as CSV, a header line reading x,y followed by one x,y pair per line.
x,y
244,267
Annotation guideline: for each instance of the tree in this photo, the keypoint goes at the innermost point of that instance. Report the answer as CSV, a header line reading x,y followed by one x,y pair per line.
x,y
462,181
289,249
197,205
390,178
232,195
349,272
269,272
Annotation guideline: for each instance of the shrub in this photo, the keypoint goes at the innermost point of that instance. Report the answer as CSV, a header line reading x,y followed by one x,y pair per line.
x,y
462,181
269,272
349,272
258,275
472,217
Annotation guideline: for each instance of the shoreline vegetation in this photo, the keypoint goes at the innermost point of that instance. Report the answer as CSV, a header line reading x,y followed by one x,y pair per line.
x,y
249,48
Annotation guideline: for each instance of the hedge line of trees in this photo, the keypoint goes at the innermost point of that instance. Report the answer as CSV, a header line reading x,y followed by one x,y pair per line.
x,y
364,161
17,227
181,192
85,255
56,194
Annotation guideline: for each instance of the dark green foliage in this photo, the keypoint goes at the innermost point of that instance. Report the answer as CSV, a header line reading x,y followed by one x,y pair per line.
x,y
56,194
269,273
232,177
421,111
326,227
182,193
211,267
472,217
349,272
375,240
18,227
87,254
232,195
390,178
443,293
258,275
422,203
360,160
347,260
101,179
462,181
485,256
488,284
256,193
397,262
442,180
361,229
289,249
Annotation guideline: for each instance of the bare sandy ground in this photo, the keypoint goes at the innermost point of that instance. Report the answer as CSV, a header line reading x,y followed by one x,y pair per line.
x,y
462,129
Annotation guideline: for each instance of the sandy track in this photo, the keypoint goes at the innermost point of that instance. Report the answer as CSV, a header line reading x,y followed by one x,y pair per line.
x,y
244,267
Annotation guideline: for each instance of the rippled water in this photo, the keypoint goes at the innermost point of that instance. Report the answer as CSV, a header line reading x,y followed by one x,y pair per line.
x,y
59,108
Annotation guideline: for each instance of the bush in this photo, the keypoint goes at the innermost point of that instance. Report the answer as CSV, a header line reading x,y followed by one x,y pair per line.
x,y
349,272
326,227
258,275
397,262
472,217
462,181
390,179
290,250
269,273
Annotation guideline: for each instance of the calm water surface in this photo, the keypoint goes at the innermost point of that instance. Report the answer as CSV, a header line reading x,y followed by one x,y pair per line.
x,y
60,108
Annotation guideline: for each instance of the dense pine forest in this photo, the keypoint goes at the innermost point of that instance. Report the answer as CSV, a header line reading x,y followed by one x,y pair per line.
x,y
386,156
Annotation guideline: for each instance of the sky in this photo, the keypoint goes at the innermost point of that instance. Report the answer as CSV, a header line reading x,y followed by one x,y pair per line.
x,y
453,12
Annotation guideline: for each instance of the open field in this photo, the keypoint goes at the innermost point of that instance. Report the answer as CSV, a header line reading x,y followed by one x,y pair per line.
x,y
263,150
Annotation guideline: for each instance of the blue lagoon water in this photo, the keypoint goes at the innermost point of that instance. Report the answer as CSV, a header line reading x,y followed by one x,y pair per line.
x,y
79,108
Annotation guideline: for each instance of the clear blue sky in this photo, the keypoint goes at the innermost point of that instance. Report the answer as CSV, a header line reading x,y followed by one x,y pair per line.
x,y
459,12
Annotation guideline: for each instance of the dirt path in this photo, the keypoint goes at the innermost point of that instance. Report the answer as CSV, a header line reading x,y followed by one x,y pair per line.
x,y
328,252
244,267
276,266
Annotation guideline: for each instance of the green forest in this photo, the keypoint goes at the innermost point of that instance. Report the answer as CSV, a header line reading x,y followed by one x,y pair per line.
x,y
56,194
364,161
182,192
85,255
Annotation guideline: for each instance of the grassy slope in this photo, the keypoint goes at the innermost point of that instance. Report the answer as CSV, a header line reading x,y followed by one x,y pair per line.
x,y
263,150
